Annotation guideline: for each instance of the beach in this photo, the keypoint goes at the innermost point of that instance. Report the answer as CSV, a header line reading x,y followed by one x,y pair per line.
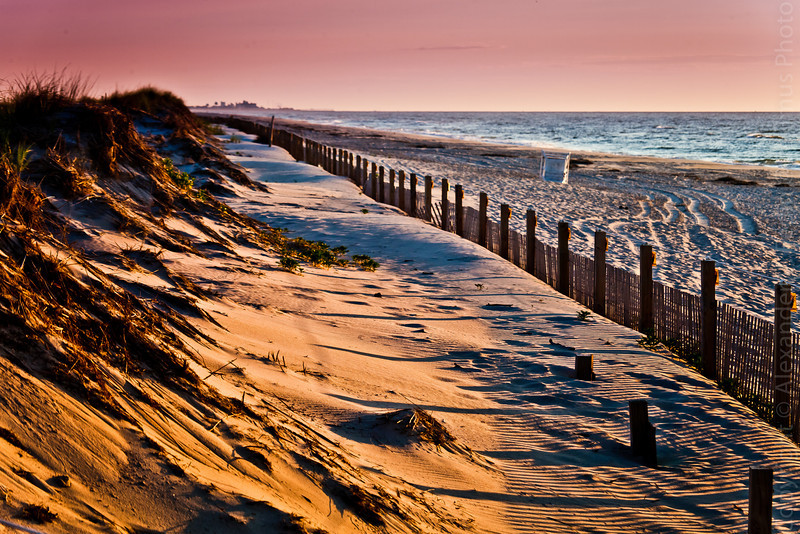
x,y
445,326
205,335
743,217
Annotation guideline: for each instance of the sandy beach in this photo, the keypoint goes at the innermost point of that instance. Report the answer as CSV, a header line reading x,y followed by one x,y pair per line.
x,y
488,350
743,217
177,364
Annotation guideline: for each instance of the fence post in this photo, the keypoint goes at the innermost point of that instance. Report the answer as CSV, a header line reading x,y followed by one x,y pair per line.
x,y
459,210
412,194
401,190
643,433
428,197
271,129
505,215
357,172
374,180
600,248
708,318
350,164
530,236
445,204
392,199
584,367
381,189
759,513
646,261
783,356
563,258
482,219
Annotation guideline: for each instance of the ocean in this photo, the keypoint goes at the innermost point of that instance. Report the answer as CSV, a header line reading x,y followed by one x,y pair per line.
x,y
770,139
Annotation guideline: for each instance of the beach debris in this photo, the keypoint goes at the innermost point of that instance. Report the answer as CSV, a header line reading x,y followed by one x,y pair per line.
x,y
554,167
561,346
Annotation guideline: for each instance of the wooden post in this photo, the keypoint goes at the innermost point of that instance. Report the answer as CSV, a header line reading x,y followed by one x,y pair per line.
x,y
584,367
381,183
392,199
357,171
759,513
412,193
563,258
782,416
445,204
646,260
708,318
351,165
482,219
401,190
271,129
428,198
643,433
505,216
459,210
530,236
600,248
374,180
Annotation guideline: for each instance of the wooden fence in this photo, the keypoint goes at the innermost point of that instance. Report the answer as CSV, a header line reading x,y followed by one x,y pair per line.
x,y
743,345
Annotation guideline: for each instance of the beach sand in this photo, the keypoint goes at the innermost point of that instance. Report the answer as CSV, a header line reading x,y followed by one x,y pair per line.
x,y
743,217
435,394
488,350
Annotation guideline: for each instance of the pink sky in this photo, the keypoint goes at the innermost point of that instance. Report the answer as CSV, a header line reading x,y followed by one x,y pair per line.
x,y
529,55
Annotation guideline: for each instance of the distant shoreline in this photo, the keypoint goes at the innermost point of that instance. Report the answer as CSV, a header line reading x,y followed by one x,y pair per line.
x,y
761,139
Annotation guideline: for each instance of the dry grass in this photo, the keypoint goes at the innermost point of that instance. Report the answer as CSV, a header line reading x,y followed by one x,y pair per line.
x,y
37,513
422,425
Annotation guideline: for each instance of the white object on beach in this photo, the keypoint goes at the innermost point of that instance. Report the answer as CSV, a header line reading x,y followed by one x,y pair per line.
x,y
554,167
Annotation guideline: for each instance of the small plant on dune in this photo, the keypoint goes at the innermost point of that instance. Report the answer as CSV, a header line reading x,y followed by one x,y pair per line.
x,y
290,264
181,179
649,340
317,253
234,139
365,262
212,128
14,160
583,315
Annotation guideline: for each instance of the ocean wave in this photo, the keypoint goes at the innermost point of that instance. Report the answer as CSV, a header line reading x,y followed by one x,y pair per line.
x,y
665,127
760,135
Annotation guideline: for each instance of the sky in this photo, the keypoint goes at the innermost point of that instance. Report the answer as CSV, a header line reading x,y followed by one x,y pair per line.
x,y
422,55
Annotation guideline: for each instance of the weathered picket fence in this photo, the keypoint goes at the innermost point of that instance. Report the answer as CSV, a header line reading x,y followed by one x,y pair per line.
x,y
746,354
